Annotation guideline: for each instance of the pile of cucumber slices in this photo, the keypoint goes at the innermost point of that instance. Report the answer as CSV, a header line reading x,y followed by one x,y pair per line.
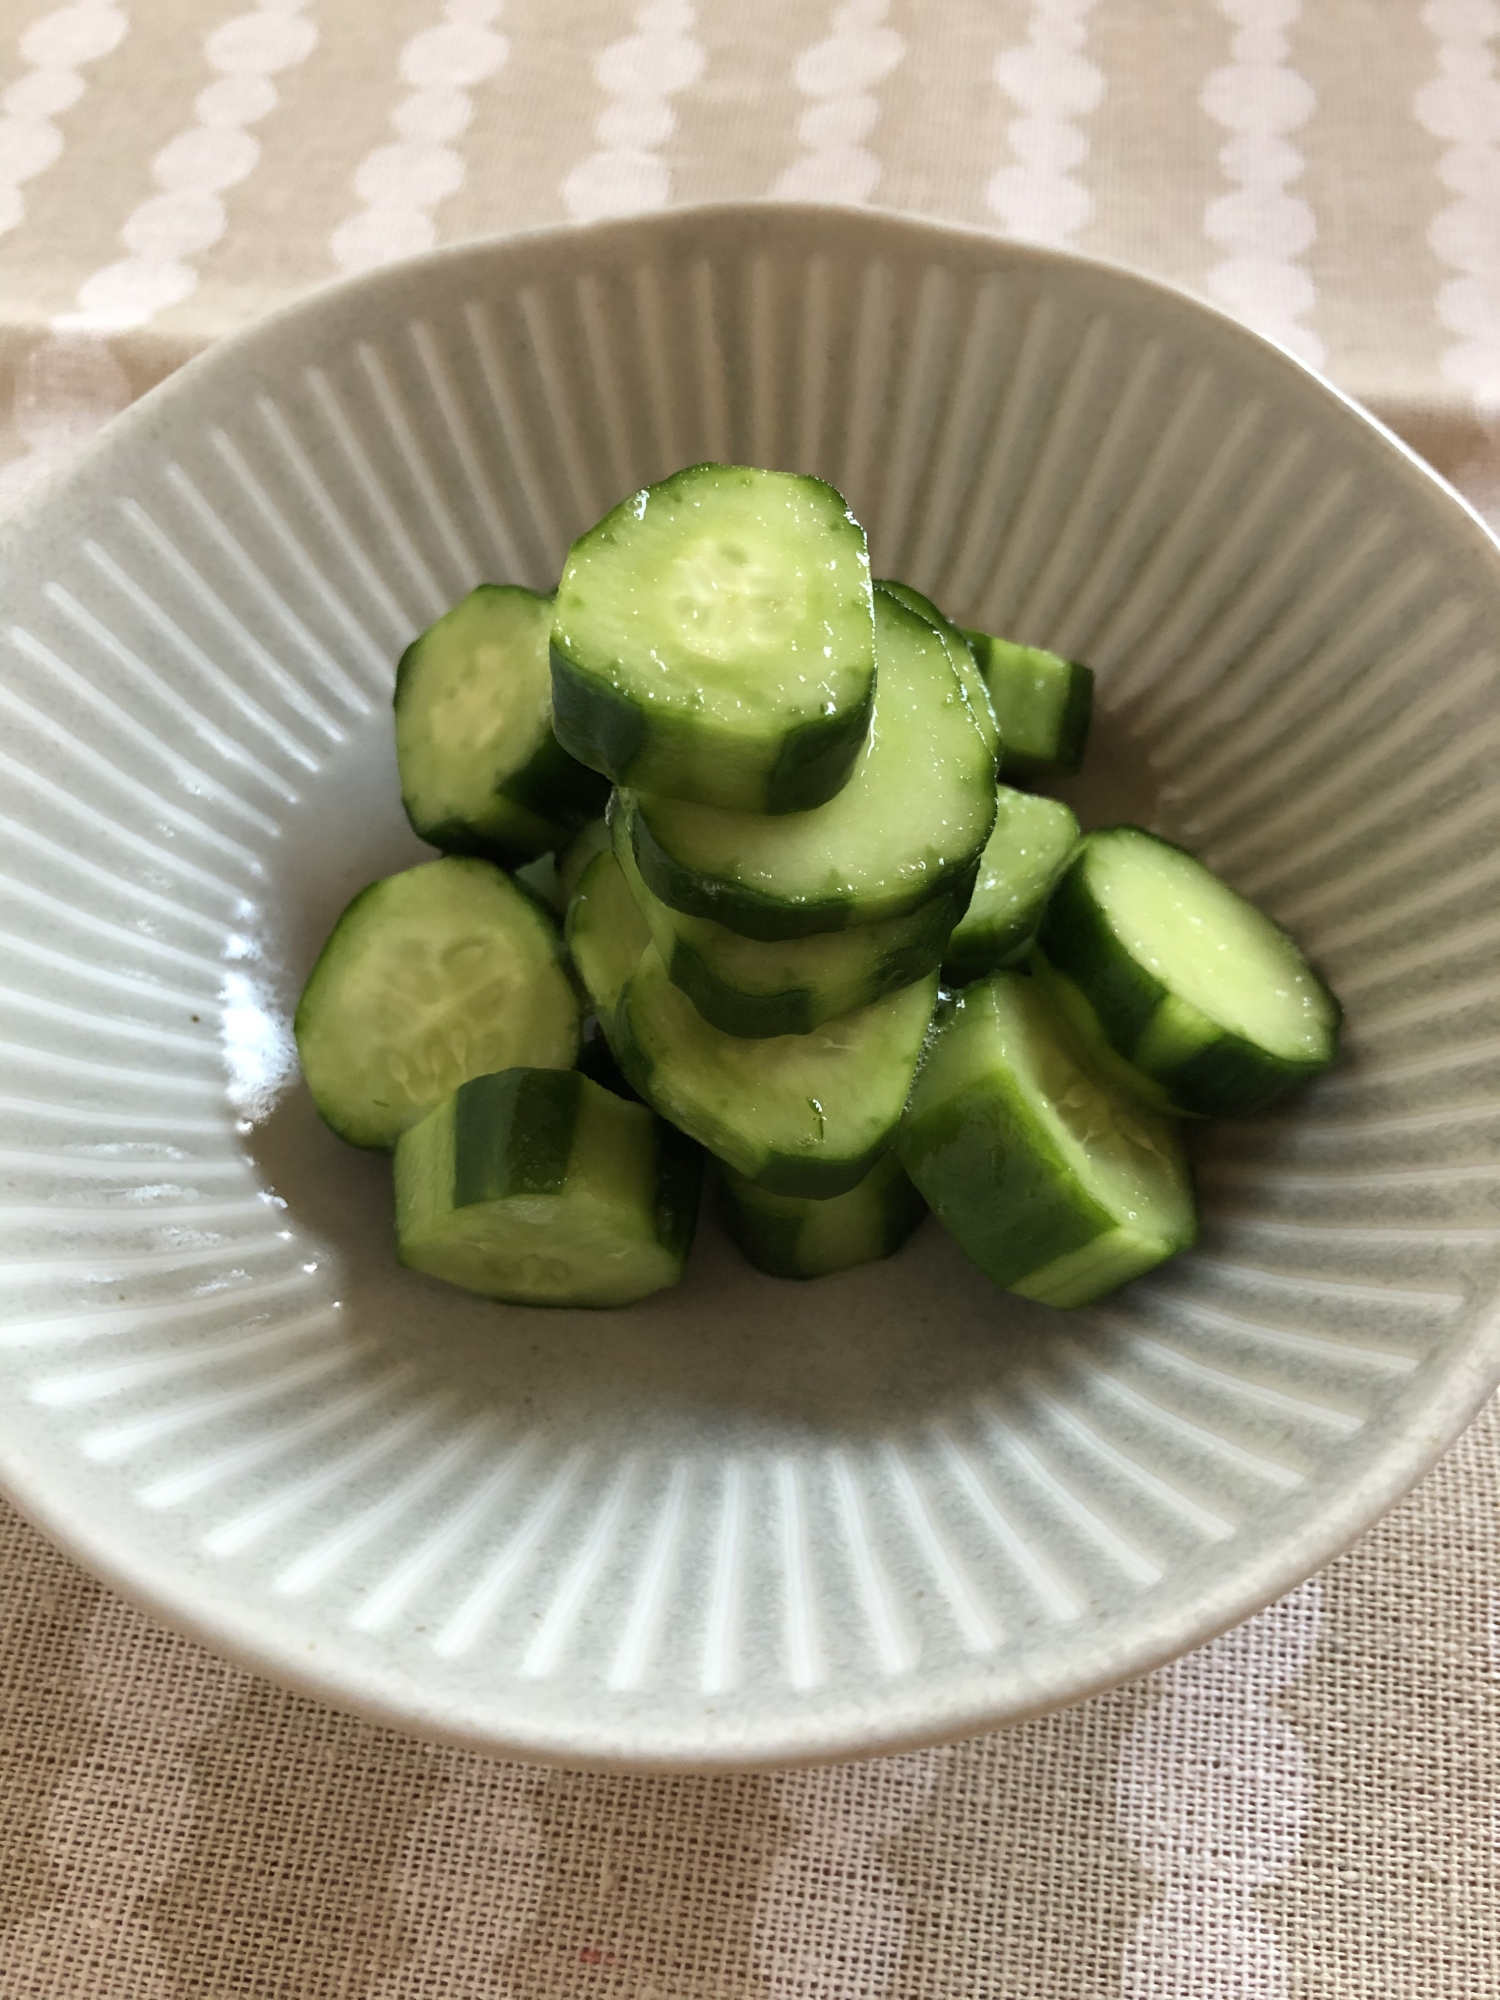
x,y
805,930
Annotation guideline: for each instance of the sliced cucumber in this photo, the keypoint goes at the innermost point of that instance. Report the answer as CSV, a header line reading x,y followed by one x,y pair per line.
x,y
481,771
788,1236
1043,703
908,827
747,987
1023,857
575,857
596,1060
606,934
538,1187
1059,1185
799,1114
960,654
433,976
712,640
1189,984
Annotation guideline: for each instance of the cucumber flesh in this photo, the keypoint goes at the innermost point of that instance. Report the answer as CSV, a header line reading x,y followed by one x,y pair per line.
x,y
444,972
1043,703
909,826
799,1114
788,1236
606,934
747,987
541,1188
1059,1185
1190,985
960,654
481,770
1023,858
712,640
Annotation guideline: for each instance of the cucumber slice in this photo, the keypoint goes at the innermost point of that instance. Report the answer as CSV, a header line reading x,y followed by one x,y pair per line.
x,y
1190,985
712,640
541,1188
1024,856
908,827
799,1114
750,988
481,771
606,934
433,976
596,1060
1043,703
1057,1184
788,1236
575,857
960,654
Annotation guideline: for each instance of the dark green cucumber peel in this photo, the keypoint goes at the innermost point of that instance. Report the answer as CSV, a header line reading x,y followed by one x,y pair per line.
x,y
1055,1182
659,683
1181,1055
598,726
803,1115
816,757
1022,860
788,1236
540,1188
506,790
758,1016
1043,702
759,990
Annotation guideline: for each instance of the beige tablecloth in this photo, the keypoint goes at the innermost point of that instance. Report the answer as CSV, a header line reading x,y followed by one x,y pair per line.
x,y
1310,1807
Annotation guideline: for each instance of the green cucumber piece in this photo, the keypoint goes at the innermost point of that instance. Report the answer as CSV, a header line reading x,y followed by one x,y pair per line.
x,y
1023,858
481,771
909,826
606,934
541,1188
433,976
1191,986
712,640
751,988
799,1114
575,857
1043,703
960,653
788,1236
1058,1184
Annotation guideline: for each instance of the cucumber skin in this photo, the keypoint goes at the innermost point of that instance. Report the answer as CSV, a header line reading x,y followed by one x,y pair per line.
x,y
1226,1077
1073,727
512,1135
599,727
772,1243
1072,734
777,1173
762,917
760,1016
992,1177
558,788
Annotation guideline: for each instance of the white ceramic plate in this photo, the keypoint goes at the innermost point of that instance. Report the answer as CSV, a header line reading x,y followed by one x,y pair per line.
x,y
746,1522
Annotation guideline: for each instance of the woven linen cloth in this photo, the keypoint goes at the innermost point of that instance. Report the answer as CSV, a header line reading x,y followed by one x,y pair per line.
x,y
1308,1807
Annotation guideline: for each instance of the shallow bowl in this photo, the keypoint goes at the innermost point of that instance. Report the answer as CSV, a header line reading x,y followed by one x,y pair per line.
x,y
746,1522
